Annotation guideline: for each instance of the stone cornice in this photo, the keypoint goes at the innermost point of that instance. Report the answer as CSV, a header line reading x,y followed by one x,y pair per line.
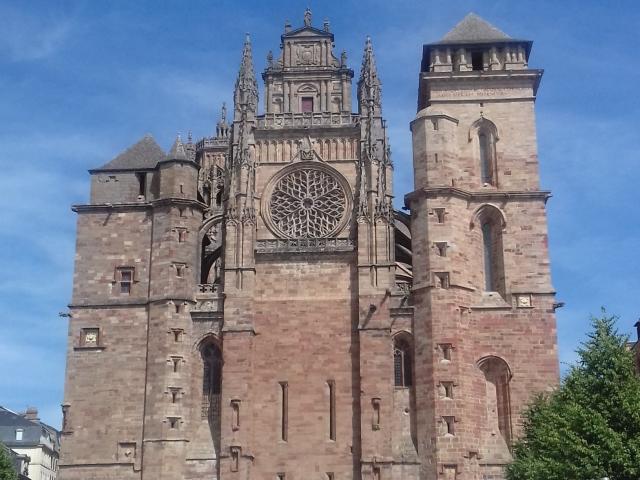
x,y
527,73
178,201
470,196
100,207
532,75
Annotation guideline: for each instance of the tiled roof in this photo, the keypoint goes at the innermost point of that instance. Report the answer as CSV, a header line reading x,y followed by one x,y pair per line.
x,y
143,155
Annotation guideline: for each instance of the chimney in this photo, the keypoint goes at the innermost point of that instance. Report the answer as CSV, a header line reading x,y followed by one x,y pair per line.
x,y
637,325
31,414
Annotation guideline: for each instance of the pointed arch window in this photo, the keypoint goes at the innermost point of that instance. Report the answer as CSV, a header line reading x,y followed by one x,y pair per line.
x,y
211,380
402,362
489,223
484,134
486,158
493,261
497,375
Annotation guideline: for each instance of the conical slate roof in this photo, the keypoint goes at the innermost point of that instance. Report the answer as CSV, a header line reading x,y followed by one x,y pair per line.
x,y
144,154
474,29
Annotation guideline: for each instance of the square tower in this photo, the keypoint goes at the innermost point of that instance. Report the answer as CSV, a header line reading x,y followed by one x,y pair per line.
x,y
484,303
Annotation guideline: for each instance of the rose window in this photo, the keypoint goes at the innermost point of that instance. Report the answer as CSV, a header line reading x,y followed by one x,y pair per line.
x,y
308,202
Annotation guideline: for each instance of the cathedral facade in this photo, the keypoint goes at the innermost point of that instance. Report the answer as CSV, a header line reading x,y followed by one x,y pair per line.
x,y
251,306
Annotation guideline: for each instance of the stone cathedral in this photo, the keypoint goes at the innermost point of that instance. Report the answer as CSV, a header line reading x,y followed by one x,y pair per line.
x,y
250,306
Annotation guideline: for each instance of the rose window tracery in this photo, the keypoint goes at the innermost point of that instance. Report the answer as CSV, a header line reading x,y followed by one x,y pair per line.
x,y
308,202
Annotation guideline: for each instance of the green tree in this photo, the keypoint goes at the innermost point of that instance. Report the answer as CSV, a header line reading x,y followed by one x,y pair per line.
x,y
589,428
6,466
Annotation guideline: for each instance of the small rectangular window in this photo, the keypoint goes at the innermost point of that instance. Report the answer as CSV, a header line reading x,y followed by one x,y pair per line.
x,y
124,277
441,279
65,417
180,267
173,422
446,349
450,425
306,104
442,248
142,184
175,364
182,235
376,473
332,409
19,434
280,476
477,61
375,403
235,417
284,411
448,389
175,395
439,212
177,334
235,459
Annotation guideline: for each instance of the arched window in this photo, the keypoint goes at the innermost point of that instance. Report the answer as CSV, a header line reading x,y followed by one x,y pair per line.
x,y
211,256
211,380
486,158
490,221
402,362
484,134
497,398
492,257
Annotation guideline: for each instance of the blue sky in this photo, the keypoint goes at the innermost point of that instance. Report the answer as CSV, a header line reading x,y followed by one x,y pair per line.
x,y
82,80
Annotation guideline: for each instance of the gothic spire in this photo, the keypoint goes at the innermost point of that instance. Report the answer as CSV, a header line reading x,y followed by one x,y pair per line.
x,y
246,91
369,89
177,151
222,128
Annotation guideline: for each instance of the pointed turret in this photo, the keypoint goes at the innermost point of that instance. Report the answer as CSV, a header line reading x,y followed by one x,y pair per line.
x,y
369,88
177,151
222,128
246,90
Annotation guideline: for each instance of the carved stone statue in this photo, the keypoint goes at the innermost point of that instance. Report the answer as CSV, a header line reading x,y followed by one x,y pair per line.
x,y
307,17
343,59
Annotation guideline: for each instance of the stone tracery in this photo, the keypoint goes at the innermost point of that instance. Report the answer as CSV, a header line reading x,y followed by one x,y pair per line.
x,y
308,203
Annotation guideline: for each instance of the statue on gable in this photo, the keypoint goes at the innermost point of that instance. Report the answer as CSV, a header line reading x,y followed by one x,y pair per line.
x,y
307,17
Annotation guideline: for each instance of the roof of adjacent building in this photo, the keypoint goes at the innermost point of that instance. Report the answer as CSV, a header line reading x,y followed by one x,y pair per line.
x,y
143,155
33,431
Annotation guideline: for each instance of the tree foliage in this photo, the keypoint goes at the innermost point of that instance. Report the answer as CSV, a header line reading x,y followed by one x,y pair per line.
x,y
6,466
589,428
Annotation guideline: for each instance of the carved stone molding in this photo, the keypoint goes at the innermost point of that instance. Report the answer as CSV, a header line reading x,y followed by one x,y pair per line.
x,y
305,245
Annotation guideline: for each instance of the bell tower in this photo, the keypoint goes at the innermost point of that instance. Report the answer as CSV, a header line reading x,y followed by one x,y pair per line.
x,y
484,303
